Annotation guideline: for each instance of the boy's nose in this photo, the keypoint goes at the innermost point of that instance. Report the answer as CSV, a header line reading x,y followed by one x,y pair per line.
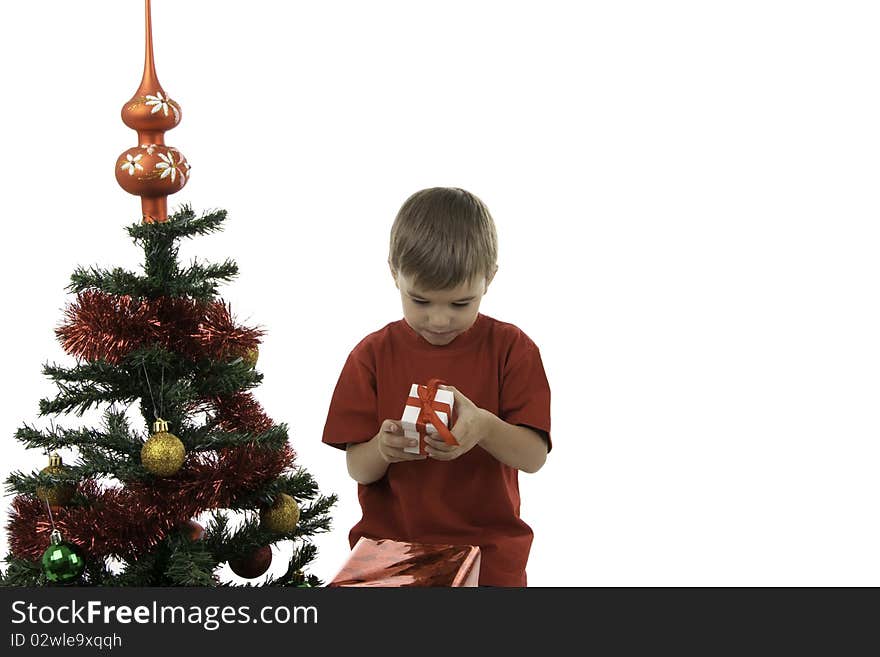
x,y
436,323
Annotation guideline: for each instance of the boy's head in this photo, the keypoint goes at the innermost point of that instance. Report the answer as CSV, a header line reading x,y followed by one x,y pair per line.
x,y
443,256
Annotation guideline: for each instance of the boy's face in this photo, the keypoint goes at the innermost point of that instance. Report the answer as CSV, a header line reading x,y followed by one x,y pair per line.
x,y
440,316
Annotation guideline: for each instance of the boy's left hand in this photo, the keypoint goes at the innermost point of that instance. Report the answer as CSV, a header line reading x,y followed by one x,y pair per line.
x,y
471,425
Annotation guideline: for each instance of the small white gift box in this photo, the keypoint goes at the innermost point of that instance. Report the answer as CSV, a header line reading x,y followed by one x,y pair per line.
x,y
413,420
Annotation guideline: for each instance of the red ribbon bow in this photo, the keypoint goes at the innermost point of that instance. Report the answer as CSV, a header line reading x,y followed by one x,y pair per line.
x,y
428,413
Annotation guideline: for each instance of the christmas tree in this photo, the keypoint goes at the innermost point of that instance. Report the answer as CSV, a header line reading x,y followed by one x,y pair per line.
x,y
163,343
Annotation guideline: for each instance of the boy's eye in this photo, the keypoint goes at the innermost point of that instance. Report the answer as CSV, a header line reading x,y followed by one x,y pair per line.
x,y
463,304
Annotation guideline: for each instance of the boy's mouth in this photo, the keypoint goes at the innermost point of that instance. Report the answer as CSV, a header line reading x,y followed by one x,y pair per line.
x,y
439,335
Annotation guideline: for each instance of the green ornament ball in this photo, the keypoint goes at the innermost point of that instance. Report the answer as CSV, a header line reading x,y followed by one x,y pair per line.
x,y
62,563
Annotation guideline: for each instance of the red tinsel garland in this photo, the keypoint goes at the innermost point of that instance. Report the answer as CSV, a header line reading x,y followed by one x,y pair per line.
x,y
125,522
239,412
129,520
104,326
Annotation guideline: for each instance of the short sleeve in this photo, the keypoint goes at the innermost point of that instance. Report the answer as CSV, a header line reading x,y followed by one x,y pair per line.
x,y
353,416
525,392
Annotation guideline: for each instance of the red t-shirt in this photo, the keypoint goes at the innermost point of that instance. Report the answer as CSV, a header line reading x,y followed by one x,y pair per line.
x,y
473,499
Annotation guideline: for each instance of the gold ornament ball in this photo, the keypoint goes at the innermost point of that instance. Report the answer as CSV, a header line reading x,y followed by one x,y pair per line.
x,y
282,517
58,495
250,357
163,453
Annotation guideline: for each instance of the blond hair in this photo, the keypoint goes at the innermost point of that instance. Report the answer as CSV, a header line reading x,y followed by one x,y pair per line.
x,y
443,237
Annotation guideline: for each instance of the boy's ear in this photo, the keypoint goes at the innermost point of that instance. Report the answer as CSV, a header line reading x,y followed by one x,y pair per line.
x,y
490,277
393,274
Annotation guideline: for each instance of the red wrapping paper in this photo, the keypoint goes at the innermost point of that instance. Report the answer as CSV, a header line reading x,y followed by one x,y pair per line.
x,y
390,563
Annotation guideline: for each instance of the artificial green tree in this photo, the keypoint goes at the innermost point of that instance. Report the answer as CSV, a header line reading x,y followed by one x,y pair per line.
x,y
160,341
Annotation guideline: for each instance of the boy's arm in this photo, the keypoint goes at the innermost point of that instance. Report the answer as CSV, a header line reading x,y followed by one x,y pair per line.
x,y
517,446
365,464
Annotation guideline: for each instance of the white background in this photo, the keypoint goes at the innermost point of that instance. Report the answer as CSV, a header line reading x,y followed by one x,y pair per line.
x,y
686,199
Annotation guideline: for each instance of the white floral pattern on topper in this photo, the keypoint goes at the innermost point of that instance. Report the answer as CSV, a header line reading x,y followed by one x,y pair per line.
x,y
170,168
132,163
160,102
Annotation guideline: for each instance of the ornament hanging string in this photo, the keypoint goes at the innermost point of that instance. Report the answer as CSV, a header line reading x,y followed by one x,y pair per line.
x,y
161,391
51,519
54,535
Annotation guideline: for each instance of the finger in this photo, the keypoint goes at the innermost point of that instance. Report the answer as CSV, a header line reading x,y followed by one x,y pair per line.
x,y
455,393
397,444
439,444
390,426
397,441
440,455
398,456
404,457
459,400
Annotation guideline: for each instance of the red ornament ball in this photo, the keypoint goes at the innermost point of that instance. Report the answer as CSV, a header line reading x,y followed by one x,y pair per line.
x,y
254,564
193,530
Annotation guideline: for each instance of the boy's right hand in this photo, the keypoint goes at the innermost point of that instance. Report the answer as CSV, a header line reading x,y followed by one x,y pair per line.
x,y
390,442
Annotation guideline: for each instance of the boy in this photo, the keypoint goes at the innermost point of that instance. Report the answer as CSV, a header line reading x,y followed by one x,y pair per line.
x,y
442,257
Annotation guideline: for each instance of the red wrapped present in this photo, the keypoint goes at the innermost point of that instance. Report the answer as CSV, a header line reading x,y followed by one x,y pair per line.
x,y
393,563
